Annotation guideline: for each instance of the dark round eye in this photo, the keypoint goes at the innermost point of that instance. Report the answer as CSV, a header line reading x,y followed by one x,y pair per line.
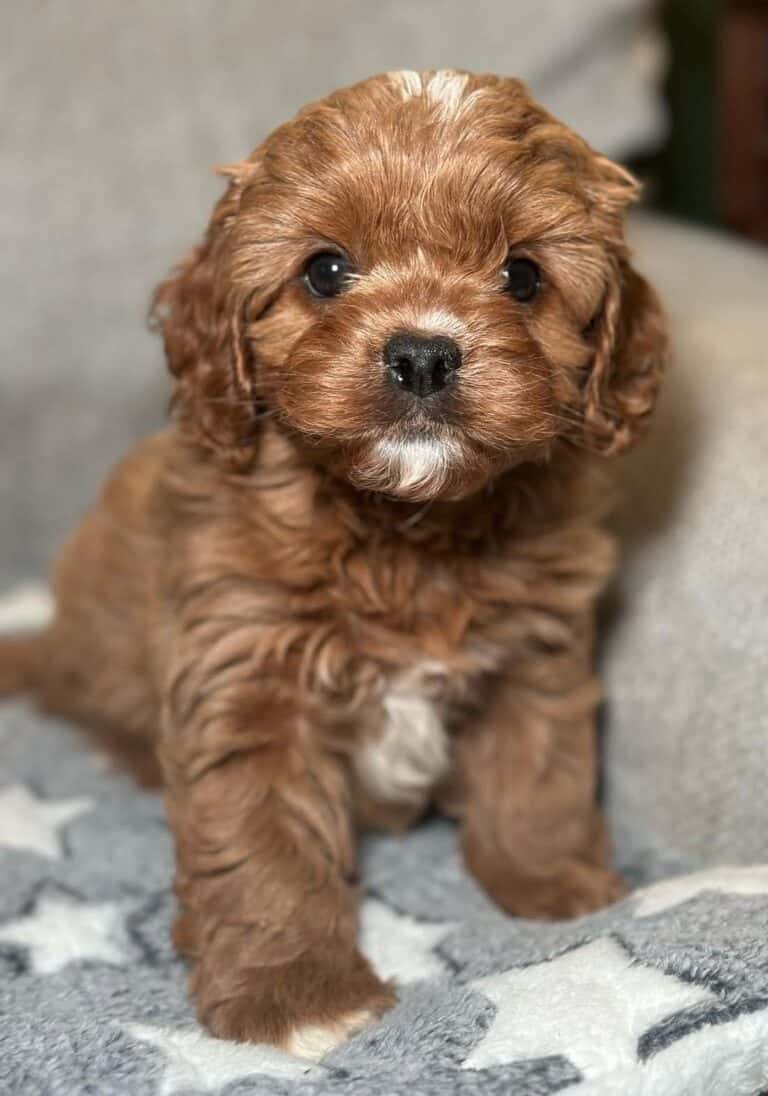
x,y
326,274
522,279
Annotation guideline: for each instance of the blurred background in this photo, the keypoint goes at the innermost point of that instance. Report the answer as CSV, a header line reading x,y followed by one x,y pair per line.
x,y
113,113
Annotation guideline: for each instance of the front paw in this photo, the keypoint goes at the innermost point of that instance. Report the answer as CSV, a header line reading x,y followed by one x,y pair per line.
x,y
574,889
306,1007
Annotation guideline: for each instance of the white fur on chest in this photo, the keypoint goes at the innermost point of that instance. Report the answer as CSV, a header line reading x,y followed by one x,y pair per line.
x,y
410,754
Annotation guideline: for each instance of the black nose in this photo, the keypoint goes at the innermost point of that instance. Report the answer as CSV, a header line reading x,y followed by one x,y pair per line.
x,y
421,364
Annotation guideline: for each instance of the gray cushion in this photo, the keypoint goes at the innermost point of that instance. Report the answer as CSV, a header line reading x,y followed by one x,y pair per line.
x,y
687,653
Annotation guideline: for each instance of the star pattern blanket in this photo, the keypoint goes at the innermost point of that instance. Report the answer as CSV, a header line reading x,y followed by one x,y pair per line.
x,y
665,994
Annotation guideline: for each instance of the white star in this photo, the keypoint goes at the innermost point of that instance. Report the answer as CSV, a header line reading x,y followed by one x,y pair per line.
x,y
30,823
591,1005
715,1059
25,607
726,880
399,946
195,1060
61,932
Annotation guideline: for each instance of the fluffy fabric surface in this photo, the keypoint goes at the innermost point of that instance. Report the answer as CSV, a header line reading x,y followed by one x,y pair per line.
x,y
666,993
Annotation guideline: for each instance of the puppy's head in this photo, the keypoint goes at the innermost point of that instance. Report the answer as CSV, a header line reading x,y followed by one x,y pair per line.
x,y
423,279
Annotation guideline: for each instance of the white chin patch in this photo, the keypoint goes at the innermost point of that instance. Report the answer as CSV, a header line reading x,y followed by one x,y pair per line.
x,y
415,465
314,1041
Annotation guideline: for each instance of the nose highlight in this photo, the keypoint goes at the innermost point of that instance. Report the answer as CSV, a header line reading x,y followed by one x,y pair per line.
x,y
421,364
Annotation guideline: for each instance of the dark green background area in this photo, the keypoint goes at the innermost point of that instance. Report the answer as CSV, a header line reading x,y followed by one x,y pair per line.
x,y
684,173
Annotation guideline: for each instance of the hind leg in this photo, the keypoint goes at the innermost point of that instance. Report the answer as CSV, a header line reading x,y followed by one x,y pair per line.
x,y
18,659
93,665
96,662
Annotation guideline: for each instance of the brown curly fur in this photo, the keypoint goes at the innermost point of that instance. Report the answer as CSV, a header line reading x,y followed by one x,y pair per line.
x,y
255,581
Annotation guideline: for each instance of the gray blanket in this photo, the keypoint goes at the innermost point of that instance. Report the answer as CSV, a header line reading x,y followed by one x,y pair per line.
x,y
666,994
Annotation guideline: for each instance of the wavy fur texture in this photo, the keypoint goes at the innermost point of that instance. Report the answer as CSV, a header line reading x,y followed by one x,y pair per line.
x,y
322,605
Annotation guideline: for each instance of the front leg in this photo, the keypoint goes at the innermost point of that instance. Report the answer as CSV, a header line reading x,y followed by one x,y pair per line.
x,y
261,819
532,832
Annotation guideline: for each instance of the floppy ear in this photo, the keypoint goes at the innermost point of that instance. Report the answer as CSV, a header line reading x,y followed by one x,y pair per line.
x,y
629,332
630,353
200,315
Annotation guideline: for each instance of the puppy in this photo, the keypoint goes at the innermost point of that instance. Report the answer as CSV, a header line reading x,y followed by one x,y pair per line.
x,y
355,578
